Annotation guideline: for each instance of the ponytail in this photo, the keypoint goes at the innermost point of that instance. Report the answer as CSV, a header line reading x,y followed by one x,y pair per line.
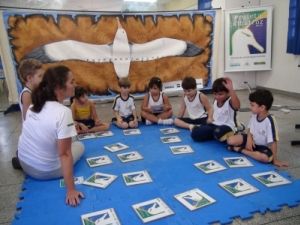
x,y
54,77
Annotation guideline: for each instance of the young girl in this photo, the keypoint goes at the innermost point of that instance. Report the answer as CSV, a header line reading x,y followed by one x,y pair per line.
x,y
84,113
156,107
124,107
225,106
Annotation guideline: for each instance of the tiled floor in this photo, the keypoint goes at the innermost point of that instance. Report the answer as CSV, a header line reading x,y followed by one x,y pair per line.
x,y
11,180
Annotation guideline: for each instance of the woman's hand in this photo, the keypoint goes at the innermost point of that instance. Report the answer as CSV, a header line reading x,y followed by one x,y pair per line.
x,y
73,197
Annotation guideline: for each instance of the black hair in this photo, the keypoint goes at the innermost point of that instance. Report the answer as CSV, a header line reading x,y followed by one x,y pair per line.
x,y
54,77
79,92
155,81
218,85
262,97
189,83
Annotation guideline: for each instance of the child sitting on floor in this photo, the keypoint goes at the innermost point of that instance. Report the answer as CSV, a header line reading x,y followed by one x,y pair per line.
x,y
261,140
85,115
196,104
124,107
31,74
225,106
156,107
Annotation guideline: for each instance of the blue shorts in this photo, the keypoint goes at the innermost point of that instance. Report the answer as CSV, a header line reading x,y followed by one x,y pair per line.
x,y
198,121
258,148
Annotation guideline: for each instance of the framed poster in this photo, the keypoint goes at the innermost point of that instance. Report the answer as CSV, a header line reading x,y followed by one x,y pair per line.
x,y
248,36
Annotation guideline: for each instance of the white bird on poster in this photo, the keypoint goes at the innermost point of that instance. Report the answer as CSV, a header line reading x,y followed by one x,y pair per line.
x,y
121,53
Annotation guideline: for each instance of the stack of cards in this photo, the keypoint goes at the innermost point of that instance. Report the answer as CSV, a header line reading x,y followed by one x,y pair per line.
x,y
271,179
129,156
100,180
115,147
235,162
95,135
169,130
138,177
194,199
132,132
98,161
103,217
181,149
104,134
209,166
152,210
170,139
238,187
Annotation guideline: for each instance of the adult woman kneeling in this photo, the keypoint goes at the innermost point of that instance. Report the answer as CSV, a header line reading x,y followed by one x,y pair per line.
x,y
45,146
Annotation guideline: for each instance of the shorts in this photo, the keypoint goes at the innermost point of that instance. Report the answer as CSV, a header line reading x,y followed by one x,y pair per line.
x,y
198,121
126,119
258,148
90,123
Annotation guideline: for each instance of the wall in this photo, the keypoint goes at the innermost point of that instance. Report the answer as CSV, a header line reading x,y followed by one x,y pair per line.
x,y
285,75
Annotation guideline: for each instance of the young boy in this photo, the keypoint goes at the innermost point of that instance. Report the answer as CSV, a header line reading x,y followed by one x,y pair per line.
x,y
261,140
31,74
85,115
156,107
124,107
225,106
196,104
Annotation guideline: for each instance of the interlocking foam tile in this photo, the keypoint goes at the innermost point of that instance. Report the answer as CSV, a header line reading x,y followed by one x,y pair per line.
x,y
42,202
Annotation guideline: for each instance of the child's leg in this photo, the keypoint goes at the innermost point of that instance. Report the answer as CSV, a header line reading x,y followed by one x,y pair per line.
x,y
149,116
203,133
133,124
179,122
100,127
223,132
236,140
260,153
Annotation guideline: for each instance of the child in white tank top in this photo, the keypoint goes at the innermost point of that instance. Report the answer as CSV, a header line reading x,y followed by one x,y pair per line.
x,y
156,107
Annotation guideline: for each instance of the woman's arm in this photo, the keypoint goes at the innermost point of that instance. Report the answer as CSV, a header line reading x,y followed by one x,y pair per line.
x,y
65,154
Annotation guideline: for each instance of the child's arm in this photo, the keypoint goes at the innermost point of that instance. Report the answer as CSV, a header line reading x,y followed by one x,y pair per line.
x,y
94,113
250,144
167,106
276,162
145,104
235,102
26,102
134,113
118,117
207,106
181,109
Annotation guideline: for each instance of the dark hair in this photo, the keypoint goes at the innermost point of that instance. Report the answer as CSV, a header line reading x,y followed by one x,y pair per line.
x,y
218,86
27,68
124,82
79,92
155,81
262,97
189,83
54,77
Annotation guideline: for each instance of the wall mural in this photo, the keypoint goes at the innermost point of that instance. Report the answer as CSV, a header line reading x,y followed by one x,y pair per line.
x,y
101,48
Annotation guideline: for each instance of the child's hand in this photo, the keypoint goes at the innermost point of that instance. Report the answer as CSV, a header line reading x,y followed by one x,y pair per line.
x,y
209,120
83,127
228,84
98,122
280,163
250,144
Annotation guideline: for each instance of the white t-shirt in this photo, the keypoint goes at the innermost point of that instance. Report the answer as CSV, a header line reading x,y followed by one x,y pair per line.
x,y
225,115
264,132
195,108
25,89
125,107
38,141
156,106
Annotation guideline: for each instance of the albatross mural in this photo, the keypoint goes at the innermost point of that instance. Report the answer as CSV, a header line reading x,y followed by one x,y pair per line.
x,y
102,48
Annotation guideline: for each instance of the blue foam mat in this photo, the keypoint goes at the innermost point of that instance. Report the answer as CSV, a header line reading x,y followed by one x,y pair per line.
x,y
42,202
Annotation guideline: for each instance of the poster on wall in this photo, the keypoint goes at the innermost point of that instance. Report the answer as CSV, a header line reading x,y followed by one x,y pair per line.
x,y
100,48
248,37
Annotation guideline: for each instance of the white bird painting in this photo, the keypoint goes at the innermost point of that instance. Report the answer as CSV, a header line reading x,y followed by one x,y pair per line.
x,y
120,52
